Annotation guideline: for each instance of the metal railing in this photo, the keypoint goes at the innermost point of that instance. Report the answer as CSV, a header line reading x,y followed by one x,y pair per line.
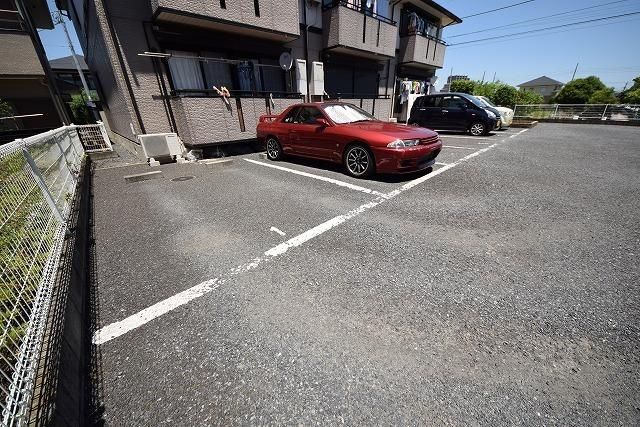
x,y
361,8
94,138
38,183
612,112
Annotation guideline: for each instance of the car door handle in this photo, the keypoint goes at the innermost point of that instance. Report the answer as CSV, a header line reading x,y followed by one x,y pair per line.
x,y
445,111
422,109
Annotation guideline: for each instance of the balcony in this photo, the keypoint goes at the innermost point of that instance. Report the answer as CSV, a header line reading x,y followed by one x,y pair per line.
x,y
349,29
203,119
422,51
276,20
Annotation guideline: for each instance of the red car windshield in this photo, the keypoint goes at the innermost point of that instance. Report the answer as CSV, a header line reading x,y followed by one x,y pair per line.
x,y
347,113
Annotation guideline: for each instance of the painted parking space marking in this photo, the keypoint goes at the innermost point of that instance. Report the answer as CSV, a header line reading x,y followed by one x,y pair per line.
x,y
278,231
318,177
455,146
117,329
441,164
477,138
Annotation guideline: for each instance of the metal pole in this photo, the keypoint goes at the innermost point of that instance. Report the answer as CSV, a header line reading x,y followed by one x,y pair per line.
x,y
604,112
555,113
46,194
574,72
42,56
59,19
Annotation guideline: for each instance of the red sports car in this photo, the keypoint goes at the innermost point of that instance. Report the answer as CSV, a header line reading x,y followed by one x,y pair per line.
x,y
344,133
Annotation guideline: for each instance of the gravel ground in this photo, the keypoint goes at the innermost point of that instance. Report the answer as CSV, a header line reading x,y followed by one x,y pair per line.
x,y
502,291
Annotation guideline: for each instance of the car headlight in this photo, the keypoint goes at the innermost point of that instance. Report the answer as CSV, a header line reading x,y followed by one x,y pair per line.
x,y
403,143
490,114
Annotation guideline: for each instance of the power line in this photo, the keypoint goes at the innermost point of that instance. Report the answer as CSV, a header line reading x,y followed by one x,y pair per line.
x,y
546,28
537,19
509,40
494,10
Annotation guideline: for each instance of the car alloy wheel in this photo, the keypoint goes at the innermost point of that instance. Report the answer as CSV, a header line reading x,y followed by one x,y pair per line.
x,y
477,129
359,161
273,149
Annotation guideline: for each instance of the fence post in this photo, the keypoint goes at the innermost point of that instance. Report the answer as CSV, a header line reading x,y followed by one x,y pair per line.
x,y
42,184
66,160
604,112
555,113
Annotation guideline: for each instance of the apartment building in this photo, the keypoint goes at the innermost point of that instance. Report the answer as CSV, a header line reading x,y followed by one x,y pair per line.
x,y
23,78
156,62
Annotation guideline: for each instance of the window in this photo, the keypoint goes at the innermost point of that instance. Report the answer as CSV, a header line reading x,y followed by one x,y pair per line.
x,y
347,113
308,115
217,73
453,102
185,71
291,117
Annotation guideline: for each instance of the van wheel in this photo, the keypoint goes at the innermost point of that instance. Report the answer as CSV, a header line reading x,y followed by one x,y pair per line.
x,y
477,129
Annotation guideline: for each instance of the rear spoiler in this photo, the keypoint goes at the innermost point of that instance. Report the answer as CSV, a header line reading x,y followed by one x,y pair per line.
x,y
268,118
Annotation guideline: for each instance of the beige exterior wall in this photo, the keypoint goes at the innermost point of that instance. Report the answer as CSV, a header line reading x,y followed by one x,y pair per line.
x,y
344,27
422,50
277,15
207,120
18,55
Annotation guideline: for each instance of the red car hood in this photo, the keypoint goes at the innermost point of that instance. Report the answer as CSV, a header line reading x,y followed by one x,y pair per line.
x,y
394,130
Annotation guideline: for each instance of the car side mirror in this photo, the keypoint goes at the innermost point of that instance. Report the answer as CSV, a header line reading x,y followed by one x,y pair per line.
x,y
322,122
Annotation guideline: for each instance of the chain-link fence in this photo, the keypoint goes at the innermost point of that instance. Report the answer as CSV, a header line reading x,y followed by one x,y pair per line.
x,y
612,112
38,180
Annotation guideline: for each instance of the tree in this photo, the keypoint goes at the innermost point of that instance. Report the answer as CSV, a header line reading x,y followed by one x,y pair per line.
x,y
505,96
79,109
632,95
579,91
603,96
528,97
463,86
5,111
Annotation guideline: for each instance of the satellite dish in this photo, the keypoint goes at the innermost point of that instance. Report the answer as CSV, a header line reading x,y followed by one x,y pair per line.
x,y
286,61
433,80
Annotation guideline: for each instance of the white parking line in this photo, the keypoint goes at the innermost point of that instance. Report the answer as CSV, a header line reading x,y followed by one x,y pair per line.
x,y
277,230
455,146
114,330
477,138
441,164
318,177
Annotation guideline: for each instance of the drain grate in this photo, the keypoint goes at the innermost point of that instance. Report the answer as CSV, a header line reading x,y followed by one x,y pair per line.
x,y
182,178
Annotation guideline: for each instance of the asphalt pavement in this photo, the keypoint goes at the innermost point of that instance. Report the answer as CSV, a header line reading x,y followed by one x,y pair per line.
x,y
501,288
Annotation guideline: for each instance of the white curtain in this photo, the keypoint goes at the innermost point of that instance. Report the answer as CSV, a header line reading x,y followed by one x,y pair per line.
x,y
185,72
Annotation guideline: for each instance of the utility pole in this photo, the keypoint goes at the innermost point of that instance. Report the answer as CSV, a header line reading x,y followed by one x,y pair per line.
x,y
494,77
625,86
483,73
58,18
574,72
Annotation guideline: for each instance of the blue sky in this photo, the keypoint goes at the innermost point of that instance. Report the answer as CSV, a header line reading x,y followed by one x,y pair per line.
x,y
607,49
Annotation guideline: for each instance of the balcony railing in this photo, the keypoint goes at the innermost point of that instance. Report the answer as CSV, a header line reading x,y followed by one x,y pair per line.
x,y
208,93
329,4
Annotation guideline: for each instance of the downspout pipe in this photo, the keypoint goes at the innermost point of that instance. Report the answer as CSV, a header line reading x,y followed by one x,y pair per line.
x,y
127,81
306,46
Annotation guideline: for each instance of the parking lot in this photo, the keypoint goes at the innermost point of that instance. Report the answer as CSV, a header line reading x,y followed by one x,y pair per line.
x,y
499,288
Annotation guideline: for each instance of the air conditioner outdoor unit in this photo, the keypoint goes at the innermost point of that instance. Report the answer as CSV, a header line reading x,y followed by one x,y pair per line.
x,y
301,76
161,146
317,78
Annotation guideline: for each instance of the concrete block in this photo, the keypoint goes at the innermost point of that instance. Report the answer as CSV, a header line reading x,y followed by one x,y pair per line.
x,y
143,176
